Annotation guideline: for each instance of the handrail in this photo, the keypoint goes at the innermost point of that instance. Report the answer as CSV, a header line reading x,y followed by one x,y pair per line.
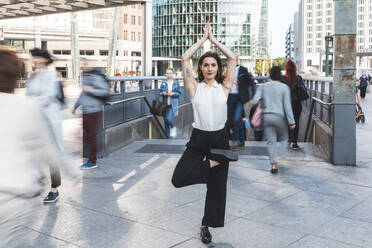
x,y
148,105
314,99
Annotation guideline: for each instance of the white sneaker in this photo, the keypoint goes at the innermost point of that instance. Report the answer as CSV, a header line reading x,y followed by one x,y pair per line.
x,y
173,132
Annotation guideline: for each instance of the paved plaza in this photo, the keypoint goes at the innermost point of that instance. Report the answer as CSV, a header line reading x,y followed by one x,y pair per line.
x,y
129,200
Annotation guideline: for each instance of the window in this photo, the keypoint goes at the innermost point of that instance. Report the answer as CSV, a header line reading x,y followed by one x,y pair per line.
x,y
318,49
103,52
62,52
133,36
309,36
139,36
139,21
308,62
309,50
125,35
125,18
126,52
133,20
136,53
44,45
87,52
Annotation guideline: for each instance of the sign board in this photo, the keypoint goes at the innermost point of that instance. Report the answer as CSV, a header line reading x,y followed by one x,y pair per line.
x,y
1,33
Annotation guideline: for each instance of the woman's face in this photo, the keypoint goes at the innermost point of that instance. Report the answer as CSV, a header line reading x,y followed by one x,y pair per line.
x,y
209,68
39,62
169,74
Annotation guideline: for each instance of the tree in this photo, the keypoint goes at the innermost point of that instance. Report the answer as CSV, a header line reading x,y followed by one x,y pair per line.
x,y
258,70
280,61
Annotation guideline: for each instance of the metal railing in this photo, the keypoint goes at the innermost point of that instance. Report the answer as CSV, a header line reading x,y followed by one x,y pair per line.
x,y
135,93
320,90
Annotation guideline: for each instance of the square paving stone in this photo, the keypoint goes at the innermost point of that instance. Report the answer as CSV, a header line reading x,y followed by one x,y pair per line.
x,y
136,207
239,205
184,220
88,228
40,240
361,212
317,242
178,196
245,233
348,231
327,204
265,192
289,216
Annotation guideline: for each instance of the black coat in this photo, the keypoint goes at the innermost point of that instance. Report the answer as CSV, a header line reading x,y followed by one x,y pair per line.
x,y
245,85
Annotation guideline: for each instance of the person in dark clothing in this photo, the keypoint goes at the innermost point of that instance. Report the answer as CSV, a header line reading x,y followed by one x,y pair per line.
x,y
95,88
293,80
363,84
241,92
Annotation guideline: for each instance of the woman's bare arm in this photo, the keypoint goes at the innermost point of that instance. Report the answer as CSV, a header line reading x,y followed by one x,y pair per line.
x,y
188,77
231,63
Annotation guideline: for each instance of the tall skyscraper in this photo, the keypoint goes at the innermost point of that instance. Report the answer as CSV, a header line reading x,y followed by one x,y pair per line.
x,y
289,43
237,23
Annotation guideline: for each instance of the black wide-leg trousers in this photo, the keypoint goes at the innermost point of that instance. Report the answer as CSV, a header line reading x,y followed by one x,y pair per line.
x,y
194,168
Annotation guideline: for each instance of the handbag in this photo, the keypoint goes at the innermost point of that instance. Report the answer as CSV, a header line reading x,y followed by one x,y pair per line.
x,y
256,120
158,108
301,90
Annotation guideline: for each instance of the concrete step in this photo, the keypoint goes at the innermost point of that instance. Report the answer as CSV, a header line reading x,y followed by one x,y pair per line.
x,y
307,151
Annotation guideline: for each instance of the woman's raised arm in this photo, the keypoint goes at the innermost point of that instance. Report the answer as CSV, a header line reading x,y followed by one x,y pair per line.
x,y
231,63
188,76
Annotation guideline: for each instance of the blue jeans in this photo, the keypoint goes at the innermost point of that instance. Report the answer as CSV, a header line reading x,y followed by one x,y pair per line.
x,y
235,110
168,120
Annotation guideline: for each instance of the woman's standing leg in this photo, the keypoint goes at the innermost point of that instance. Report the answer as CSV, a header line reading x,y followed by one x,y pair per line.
x,y
297,109
215,201
168,120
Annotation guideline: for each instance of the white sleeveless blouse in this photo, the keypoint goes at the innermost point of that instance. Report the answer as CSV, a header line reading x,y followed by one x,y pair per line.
x,y
210,107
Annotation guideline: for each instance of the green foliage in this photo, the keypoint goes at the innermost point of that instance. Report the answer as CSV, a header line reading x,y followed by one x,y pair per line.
x,y
279,62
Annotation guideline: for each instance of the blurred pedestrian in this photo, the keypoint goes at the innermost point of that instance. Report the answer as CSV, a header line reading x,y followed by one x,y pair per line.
x,y
95,91
27,149
116,85
170,90
241,92
207,156
363,83
294,81
277,112
44,86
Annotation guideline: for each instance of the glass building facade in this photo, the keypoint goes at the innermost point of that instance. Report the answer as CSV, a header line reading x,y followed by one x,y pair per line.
x,y
178,24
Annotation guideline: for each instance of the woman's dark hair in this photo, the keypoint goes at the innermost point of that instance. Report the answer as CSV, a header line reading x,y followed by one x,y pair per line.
x,y
275,73
290,71
36,52
219,76
11,68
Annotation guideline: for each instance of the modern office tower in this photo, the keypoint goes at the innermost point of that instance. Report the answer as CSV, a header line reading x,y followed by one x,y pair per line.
x,y
289,43
315,21
177,24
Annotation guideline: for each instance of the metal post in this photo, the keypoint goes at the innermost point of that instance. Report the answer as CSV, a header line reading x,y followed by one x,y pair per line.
x,y
344,59
113,43
37,41
147,39
75,53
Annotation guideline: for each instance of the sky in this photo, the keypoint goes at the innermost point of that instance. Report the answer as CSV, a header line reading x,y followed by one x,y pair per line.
x,y
281,14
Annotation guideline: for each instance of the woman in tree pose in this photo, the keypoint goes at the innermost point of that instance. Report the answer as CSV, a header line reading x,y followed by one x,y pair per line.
x,y
207,156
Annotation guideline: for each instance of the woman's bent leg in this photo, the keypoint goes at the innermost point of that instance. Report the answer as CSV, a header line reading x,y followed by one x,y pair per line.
x,y
191,169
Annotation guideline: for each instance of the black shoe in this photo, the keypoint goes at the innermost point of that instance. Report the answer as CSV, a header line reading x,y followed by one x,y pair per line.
x,y
205,235
223,155
274,171
295,146
51,197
